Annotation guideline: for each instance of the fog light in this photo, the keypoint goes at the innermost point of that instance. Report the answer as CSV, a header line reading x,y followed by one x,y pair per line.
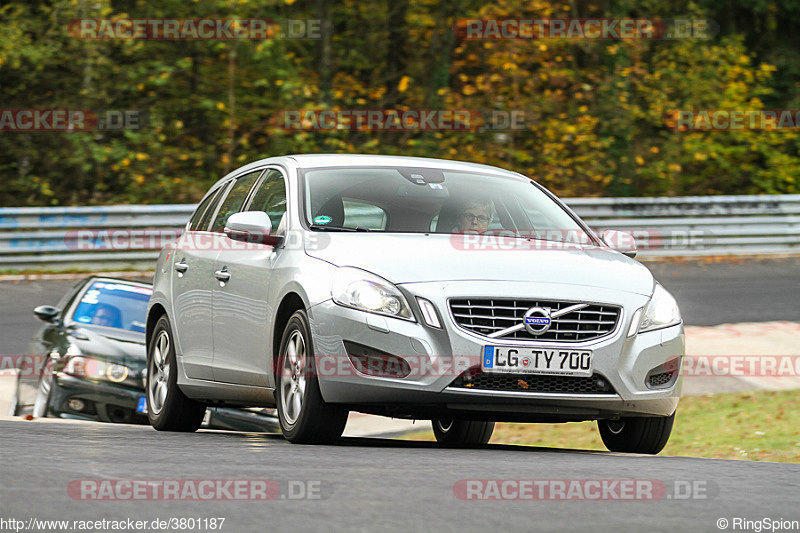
x,y
76,405
374,362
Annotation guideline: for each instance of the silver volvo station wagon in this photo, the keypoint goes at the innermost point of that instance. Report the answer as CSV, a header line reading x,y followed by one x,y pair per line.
x,y
408,287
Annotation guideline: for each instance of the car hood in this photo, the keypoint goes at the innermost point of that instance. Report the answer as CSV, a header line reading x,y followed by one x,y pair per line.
x,y
119,346
407,258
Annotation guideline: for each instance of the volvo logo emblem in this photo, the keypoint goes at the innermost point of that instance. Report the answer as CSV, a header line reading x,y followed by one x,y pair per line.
x,y
537,320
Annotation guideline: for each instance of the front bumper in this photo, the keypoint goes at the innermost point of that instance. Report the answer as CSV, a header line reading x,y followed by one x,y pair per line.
x,y
625,363
104,402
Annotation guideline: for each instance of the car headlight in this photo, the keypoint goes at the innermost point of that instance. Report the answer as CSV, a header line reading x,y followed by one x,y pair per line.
x,y
359,289
89,367
116,373
662,311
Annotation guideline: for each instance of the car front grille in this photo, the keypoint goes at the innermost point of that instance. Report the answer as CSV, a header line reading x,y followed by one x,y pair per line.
x,y
539,383
486,316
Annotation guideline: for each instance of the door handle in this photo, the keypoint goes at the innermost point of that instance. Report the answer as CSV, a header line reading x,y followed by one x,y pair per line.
x,y
182,266
222,275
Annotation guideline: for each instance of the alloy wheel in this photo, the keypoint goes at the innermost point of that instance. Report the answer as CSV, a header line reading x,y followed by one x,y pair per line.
x,y
158,373
293,382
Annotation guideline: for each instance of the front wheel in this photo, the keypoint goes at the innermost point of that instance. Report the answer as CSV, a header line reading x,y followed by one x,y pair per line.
x,y
167,407
636,434
303,415
13,409
451,432
41,405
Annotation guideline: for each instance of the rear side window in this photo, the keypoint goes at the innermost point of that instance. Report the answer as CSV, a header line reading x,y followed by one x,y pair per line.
x,y
234,201
194,222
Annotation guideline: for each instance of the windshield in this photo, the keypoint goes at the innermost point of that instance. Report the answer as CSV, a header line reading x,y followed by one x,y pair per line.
x,y
114,305
429,200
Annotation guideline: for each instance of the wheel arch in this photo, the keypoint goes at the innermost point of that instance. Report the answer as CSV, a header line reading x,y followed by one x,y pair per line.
x,y
155,312
290,303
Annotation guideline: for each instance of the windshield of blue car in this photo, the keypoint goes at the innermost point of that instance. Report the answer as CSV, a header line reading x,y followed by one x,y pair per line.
x,y
114,305
429,200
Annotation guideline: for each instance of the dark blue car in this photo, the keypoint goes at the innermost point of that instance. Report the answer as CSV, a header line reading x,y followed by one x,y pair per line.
x,y
90,361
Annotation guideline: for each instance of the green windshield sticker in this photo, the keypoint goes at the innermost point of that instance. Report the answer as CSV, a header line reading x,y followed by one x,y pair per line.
x,y
322,219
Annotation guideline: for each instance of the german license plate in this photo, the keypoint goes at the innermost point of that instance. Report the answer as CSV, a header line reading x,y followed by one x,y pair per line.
x,y
537,360
141,407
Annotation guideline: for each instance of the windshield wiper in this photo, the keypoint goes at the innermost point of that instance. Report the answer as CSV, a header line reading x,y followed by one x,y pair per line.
x,y
323,227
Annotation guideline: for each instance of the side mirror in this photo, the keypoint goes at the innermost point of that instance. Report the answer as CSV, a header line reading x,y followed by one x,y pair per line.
x,y
620,241
47,313
253,227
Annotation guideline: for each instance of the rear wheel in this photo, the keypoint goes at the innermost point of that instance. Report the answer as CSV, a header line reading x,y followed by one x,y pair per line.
x,y
451,432
303,415
636,434
167,407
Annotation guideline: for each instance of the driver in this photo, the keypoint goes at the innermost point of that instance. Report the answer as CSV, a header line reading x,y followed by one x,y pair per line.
x,y
107,315
475,216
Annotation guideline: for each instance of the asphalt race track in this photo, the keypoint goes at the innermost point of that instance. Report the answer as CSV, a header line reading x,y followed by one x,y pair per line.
x,y
371,484
730,291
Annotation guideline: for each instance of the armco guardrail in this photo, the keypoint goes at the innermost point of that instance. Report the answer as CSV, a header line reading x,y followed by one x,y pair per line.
x,y
700,225
47,238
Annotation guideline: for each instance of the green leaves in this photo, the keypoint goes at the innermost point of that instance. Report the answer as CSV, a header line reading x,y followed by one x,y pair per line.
x,y
594,111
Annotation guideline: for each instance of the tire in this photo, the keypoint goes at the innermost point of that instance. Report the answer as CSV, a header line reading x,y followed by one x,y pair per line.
x,y
168,409
41,405
636,434
450,432
303,415
14,407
